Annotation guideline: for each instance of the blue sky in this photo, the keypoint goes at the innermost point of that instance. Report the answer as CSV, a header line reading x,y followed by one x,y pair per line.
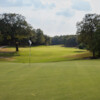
x,y
54,17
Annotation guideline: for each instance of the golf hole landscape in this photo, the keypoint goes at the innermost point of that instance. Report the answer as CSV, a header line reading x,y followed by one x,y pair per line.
x,y
49,49
54,73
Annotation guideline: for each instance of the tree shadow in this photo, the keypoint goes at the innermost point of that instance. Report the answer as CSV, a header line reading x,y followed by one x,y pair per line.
x,y
8,54
79,51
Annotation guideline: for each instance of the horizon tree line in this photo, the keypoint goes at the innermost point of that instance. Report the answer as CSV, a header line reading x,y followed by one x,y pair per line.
x,y
15,31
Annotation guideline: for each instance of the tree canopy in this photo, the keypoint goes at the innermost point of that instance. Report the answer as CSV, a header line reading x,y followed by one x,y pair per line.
x,y
15,30
66,40
14,27
88,31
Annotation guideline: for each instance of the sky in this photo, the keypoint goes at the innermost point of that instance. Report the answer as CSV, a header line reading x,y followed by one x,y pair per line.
x,y
54,17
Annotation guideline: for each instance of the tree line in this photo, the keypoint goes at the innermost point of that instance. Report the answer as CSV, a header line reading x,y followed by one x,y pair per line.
x,y
88,35
15,30
88,32
66,40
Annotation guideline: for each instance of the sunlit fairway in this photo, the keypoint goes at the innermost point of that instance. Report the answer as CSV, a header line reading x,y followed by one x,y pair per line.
x,y
43,54
55,73
71,80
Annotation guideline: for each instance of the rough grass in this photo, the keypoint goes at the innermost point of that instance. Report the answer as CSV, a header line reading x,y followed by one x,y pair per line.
x,y
43,54
71,80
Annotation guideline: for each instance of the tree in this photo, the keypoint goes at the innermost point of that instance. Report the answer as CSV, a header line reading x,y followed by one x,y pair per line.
x,y
58,40
1,38
14,27
40,37
71,41
88,31
34,37
47,40
66,40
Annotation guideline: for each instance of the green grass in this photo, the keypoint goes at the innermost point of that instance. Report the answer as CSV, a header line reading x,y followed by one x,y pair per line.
x,y
43,54
55,73
71,80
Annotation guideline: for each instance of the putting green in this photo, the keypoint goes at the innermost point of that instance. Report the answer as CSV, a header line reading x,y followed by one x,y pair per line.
x,y
71,80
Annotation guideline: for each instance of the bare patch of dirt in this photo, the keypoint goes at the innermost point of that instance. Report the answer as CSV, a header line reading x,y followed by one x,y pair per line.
x,y
6,54
7,58
5,50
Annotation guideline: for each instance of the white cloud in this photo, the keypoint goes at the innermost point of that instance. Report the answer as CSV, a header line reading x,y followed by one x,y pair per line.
x,y
43,14
95,4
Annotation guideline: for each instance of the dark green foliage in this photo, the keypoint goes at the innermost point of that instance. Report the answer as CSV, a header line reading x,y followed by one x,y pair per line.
x,y
47,40
81,46
40,37
14,30
71,41
1,38
66,40
88,31
56,40
14,27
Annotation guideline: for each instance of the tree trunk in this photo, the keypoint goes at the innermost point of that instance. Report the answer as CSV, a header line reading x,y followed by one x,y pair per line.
x,y
94,54
17,49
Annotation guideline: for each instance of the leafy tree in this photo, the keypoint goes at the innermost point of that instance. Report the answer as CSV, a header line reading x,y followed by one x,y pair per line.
x,y
66,40
81,46
34,37
71,41
1,38
14,27
47,40
56,40
40,37
88,31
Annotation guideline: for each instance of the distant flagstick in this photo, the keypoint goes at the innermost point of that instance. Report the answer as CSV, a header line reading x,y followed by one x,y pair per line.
x,y
30,43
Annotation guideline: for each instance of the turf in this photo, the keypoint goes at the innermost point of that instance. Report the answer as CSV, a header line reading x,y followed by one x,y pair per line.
x,y
42,54
71,80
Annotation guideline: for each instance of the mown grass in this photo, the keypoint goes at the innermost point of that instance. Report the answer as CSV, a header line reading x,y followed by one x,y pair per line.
x,y
43,54
71,80
52,80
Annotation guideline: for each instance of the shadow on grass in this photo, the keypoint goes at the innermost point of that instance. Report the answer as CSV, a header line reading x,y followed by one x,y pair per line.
x,y
79,51
83,56
8,54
